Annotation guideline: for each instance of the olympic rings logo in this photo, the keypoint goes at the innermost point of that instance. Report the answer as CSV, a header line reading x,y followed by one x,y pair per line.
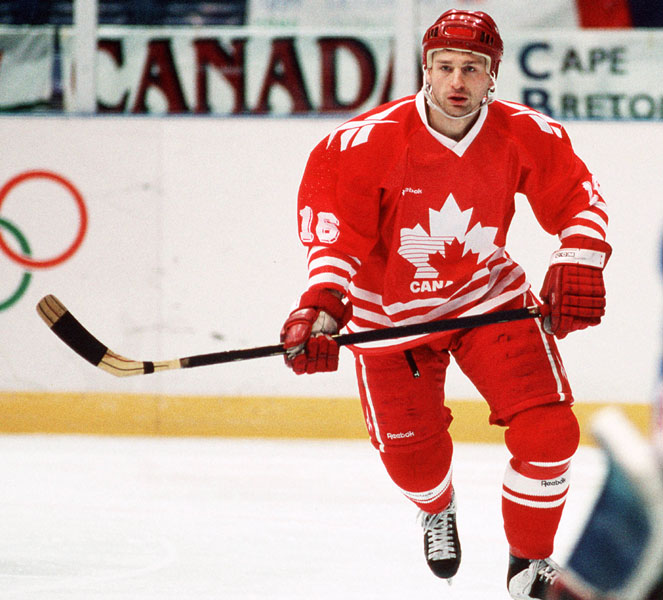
x,y
24,257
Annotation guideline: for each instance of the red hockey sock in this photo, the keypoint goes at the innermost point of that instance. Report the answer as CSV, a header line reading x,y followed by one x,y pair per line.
x,y
532,506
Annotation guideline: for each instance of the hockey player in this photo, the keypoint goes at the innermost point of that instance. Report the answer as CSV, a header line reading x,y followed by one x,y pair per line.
x,y
405,211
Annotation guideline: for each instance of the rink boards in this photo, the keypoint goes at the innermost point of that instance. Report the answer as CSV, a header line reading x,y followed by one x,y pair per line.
x,y
254,416
189,245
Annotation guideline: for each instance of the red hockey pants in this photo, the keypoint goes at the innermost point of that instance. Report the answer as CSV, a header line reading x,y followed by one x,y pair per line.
x,y
517,369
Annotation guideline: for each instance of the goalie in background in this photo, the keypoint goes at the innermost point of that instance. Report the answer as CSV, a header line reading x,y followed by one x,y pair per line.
x,y
619,554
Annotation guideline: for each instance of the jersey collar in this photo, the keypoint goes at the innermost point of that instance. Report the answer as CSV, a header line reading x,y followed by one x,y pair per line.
x,y
457,148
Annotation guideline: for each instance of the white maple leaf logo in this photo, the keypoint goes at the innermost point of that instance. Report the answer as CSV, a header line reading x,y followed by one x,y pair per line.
x,y
450,240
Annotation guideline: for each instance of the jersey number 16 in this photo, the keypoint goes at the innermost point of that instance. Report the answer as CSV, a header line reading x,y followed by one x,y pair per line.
x,y
326,227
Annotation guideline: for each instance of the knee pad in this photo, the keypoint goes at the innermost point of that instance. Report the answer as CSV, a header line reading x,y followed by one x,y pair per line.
x,y
543,434
423,471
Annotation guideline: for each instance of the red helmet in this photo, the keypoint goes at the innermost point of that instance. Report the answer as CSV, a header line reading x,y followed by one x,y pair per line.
x,y
472,31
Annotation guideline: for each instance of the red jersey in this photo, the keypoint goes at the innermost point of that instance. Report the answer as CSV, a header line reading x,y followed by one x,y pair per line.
x,y
412,225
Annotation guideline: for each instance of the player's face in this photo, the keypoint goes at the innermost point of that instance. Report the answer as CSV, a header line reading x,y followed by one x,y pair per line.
x,y
459,81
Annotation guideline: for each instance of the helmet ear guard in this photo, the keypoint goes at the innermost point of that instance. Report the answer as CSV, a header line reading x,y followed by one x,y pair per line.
x,y
466,31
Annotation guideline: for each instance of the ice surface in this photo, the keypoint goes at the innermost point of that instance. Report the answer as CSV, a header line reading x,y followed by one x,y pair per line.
x,y
152,518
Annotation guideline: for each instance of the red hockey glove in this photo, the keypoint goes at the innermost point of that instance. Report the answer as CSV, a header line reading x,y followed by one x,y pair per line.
x,y
573,286
306,332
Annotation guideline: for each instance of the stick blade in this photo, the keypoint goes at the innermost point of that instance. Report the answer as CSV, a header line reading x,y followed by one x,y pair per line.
x,y
69,330
63,324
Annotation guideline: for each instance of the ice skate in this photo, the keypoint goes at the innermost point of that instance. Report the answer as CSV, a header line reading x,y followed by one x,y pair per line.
x,y
530,579
441,543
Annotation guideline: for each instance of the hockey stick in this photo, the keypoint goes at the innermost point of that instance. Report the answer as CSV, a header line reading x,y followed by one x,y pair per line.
x,y
81,341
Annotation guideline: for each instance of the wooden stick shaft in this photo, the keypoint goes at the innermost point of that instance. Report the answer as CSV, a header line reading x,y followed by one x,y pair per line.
x,y
79,339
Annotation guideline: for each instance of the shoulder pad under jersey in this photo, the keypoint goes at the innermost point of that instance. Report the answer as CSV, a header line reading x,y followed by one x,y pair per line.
x,y
382,122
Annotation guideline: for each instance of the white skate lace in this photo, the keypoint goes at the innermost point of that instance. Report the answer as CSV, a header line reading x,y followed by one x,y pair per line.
x,y
547,570
543,570
439,529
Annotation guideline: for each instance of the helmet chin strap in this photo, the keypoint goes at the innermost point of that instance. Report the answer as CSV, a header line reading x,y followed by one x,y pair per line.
x,y
431,100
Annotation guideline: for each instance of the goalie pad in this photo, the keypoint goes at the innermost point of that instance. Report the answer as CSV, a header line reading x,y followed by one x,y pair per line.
x,y
619,554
